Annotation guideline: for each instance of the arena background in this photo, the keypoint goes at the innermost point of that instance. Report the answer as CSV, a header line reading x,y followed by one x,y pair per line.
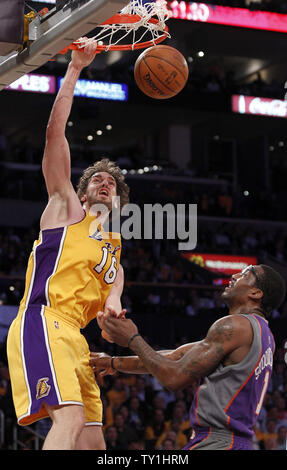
x,y
212,145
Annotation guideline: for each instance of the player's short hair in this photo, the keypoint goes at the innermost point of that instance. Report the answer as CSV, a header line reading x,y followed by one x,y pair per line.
x,y
273,287
109,167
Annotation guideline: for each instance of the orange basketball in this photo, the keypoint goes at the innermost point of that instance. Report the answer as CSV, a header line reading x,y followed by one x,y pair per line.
x,y
161,72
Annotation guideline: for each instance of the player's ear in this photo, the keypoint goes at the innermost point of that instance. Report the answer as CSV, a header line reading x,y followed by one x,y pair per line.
x,y
255,293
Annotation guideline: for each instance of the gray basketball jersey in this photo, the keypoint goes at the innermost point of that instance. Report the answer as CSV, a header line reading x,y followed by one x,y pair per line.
x,y
231,397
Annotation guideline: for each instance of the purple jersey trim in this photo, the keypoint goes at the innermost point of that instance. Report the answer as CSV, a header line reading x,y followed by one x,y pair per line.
x,y
46,257
39,371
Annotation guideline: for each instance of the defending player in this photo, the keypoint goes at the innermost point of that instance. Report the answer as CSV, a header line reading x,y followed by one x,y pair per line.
x,y
73,270
231,367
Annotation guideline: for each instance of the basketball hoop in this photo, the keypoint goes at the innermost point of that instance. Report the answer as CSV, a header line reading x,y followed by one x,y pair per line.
x,y
143,25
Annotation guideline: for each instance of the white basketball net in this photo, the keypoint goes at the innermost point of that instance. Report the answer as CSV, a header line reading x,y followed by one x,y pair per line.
x,y
139,31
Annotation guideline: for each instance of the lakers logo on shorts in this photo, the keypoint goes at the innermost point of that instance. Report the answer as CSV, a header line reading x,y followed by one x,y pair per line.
x,y
43,388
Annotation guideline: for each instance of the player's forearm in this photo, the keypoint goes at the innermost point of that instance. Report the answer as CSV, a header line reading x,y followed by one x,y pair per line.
x,y
63,102
129,365
114,301
162,367
134,364
114,298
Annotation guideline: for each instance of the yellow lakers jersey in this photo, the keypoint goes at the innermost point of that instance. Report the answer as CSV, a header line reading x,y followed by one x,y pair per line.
x,y
72,269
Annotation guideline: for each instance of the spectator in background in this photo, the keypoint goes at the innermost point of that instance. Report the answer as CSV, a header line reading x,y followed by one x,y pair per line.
x,y
136,417
123,410
155,428
141,388
281,438
168,444
117,393
174,432
111,438
277,376
270,435
136,445
172,435
179,415
270,443
281,406
126,433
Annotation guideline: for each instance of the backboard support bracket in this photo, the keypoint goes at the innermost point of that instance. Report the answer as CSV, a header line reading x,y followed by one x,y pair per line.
x,y
54,34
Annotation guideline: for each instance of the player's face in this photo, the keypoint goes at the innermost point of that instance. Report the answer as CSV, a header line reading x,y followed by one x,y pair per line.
x,y
101,189
240,283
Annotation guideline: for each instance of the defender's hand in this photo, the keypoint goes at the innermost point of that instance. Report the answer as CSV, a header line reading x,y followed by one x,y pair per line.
x,y
101,364
120,330
109,311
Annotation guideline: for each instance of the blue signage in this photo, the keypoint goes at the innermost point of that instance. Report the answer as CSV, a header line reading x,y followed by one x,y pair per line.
x,y
100,90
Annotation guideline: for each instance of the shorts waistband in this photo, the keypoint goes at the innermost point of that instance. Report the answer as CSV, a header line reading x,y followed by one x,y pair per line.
x,y
70,321
219,431
50,311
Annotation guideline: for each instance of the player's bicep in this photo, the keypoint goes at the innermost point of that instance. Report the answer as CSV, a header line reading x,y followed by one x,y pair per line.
x,y
56,164
179,352
206,355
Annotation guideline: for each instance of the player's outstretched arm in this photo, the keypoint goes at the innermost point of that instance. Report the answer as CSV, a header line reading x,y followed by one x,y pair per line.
x,y
227,335
104,364
56,163
63,207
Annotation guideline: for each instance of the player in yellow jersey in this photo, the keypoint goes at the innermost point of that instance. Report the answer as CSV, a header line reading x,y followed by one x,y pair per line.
x,y
73,272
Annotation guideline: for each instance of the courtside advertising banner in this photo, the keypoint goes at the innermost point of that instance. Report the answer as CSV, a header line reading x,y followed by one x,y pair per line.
x,y
259,106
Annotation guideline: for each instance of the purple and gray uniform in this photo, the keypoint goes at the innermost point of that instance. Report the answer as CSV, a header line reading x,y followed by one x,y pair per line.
x,y
227,403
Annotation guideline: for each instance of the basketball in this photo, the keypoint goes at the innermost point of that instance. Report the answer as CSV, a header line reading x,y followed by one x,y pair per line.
x,y
161,72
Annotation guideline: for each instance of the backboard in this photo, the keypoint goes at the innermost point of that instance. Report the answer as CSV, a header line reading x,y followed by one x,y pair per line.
x,y
55,31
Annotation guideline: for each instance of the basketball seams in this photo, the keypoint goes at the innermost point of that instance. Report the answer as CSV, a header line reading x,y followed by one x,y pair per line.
x,y
164,75
162,83
165,60
139,75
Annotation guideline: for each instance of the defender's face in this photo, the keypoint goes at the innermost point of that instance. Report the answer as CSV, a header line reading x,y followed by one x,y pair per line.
x,y
101,189
241,283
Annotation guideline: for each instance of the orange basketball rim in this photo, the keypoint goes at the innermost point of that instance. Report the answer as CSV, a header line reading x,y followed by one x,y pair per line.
x,y
135,23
